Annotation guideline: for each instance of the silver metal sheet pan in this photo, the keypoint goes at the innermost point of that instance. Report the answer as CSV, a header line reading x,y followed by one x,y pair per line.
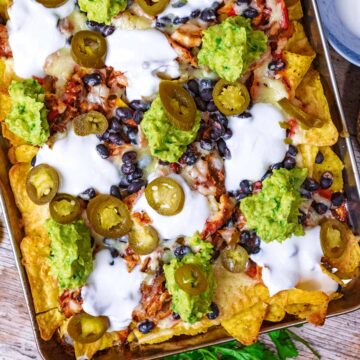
x,y
349,302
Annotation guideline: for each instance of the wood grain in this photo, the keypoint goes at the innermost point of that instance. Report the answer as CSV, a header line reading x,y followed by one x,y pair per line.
x,y
338,339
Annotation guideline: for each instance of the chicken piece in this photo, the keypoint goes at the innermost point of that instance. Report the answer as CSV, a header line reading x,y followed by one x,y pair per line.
x,y
188,35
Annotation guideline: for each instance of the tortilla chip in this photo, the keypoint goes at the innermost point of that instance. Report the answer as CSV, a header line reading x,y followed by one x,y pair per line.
x,y
5,105
311,94
299,43
245,326
332,276
14,139
307,159
7,74
275,312
33,216
89,350
48,323
295,11
297,66
333,164
4,4
44,287
25,153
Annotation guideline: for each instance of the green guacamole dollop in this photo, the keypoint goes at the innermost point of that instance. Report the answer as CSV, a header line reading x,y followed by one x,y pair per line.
x,y
71,253
273,212
192,308
27,117
102,11
230,47
165,141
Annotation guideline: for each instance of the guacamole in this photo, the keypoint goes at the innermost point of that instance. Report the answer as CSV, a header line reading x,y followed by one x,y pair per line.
x,y
230,47
102,11
165,141
273,212
27,117
71,253
191,308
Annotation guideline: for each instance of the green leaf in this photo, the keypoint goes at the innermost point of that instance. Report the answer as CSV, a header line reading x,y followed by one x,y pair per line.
x,y
304,342
284,345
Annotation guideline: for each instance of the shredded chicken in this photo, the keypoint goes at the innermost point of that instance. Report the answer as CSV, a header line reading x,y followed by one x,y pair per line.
x,y
188,35
5,50
70,302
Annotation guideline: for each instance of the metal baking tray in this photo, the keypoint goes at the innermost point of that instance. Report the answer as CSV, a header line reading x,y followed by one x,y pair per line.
x,y
349,302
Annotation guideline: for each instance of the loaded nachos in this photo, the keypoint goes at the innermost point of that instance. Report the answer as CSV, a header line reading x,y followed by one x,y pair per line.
x,y
173,167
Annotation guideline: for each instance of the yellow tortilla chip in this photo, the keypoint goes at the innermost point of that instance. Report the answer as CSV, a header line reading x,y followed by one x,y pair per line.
x,y
14,139
297,66
5,105
33,216
333,164
48,323
295,11
25,153
299,43
311,94
44,287
245,326
308,156
89,350
332,276
4,4
7,74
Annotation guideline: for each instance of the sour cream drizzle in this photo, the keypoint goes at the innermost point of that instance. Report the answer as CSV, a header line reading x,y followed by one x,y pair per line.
x,y
257,143
294,263
192,218
34,34
141,54
112,291
187,8
78,164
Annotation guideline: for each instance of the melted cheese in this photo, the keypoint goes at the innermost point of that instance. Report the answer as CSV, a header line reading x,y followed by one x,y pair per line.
x,y
34,35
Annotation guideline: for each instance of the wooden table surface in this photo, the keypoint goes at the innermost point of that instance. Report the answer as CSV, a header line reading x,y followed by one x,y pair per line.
x,y
338,339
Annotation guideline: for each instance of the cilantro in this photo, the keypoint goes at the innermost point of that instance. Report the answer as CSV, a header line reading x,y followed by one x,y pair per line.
x,y
284,345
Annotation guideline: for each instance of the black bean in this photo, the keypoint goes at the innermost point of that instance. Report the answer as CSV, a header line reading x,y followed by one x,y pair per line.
x,y
114,253
311,184
228,134
217,131
88,194
114,124
138,116
33,161
250,242
189,157
207,145
319,207
218,116
319,157
337,199
305,193
2,20
167,20
105,136
239,195
244,115
175,316
129,157
292,151
266,175
241,2
194,14
326,180
182,250
200,103
104,29
211,107
116,139
178,20
193,86
139,105
214,313
277,65
124,183
289,162
215,255
137,174
92,79
223,149
215,5
136,185
128,168
133,135
205,84
246,187
277,166
146,326
123,113
302,218
250,13
115,191
103,151
160,25
179,4
208,15
206,94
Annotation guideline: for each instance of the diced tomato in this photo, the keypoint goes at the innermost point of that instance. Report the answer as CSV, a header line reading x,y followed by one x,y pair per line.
x,y
253,270
293,126
340,213
325,193
52,115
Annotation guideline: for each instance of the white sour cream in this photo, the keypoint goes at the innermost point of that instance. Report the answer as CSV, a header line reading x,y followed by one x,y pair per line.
x,y
349,13
78,164
141,55
257,143
34,35
112,291
187,9
190,219
294,263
